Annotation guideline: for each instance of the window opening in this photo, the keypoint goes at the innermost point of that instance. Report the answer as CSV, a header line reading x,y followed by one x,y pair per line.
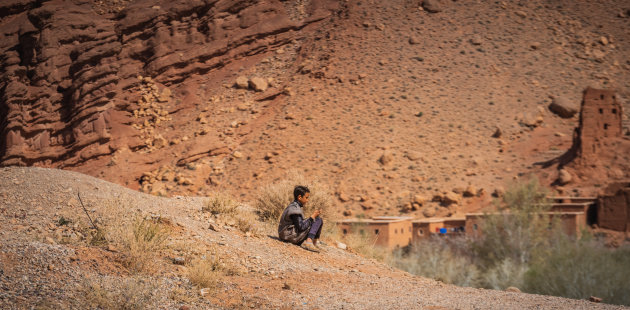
x,y
605,126
376,231
601,111
614,111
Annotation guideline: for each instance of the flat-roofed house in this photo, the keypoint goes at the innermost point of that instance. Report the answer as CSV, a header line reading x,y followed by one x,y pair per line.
x,y
424,228
388,231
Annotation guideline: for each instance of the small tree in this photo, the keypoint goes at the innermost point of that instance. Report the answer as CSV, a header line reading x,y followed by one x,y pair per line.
x,y
520,231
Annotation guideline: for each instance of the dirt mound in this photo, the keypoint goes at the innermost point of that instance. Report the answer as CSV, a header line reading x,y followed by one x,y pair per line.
x,y
48,260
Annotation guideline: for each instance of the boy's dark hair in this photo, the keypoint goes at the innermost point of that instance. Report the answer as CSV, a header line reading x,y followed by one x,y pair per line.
x,y
300,191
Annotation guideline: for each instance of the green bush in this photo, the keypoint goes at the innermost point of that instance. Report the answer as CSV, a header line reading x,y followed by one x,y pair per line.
x,y
518,231
582,268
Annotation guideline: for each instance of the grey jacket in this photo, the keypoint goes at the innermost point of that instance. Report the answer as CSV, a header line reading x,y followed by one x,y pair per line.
x,y
287,230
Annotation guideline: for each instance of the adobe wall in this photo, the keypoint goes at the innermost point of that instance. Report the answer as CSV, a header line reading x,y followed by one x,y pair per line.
x,y
614,210
400,234
474,225
600,119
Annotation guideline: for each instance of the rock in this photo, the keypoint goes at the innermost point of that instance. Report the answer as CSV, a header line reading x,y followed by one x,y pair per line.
x,y
241,82
498,192
470,191
450,198
414,40
419,199
535,45
237,154
49,240
598,55
414,156
603,40
564,177
347,212
184,307
513,289
179,261
497,133
204,291
429,212
386,158
531,119
594,299
286,286
563,107
476,39
432,6
520,14
258,84
341,245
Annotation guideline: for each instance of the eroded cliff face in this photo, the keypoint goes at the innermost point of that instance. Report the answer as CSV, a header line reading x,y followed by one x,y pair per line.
x,y
73,82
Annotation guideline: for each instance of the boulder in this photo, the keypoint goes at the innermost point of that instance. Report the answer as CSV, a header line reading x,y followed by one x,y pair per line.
x,y
258,84
241,82
470,191
564,177
498,192
386,158
450,198
563,107
419,199
513,289
432,6
429,212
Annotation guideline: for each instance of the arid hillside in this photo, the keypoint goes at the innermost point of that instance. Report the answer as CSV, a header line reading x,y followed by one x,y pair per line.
x,y
183,253
390,103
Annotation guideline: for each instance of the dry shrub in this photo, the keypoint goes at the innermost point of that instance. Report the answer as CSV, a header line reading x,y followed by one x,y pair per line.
x,y
141,240
274,198
438,259
204,273
116,293
220,203
207,272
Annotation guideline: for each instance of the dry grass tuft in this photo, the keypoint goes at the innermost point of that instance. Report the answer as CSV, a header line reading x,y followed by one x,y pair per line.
x,y
221,203
207,272
116,293
141,240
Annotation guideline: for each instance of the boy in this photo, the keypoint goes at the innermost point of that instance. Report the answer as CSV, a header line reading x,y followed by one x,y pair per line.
x,y
294,228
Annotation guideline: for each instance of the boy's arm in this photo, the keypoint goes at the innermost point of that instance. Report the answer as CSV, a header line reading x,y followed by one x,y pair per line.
x,y
300,223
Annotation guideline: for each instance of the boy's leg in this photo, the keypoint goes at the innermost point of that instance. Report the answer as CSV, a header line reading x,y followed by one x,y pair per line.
x,y
319,231
316,228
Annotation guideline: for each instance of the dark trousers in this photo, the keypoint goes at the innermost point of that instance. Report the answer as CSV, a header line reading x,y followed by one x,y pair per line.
x,y
316,228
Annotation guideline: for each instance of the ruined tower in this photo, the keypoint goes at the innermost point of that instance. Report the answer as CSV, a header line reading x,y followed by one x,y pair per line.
x,y
600,123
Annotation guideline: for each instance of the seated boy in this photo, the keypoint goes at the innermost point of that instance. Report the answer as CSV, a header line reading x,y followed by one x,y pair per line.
x,y
294,228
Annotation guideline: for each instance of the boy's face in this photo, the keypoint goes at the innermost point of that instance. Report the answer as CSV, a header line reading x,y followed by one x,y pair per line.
x,y
304,199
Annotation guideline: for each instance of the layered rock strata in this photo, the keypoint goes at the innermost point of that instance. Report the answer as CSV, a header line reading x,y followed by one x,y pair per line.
x,y
69,81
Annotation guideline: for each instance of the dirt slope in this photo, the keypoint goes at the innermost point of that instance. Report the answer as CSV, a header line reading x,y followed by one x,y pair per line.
x,y
44,263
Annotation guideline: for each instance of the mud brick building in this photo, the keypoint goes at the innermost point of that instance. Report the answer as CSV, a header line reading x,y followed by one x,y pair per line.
x,y
613,210
388,231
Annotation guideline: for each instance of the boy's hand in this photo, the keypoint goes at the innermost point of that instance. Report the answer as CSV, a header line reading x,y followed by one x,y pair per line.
x,y
316,213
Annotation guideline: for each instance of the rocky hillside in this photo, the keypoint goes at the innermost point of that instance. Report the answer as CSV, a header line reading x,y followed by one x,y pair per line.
x,y
391,103
52,258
